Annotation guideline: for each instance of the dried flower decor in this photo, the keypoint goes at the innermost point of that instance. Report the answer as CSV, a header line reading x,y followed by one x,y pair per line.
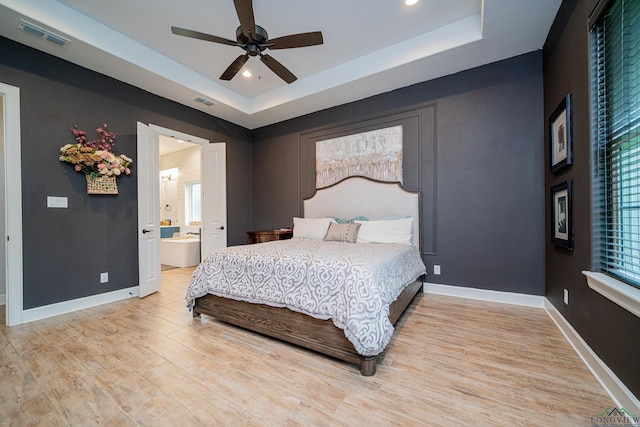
x,y
95,158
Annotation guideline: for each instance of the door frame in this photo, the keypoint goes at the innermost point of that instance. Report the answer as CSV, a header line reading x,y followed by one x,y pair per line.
x,y
185,137
13,210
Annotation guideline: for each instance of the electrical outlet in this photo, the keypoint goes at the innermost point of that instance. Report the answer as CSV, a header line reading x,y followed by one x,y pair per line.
x,y
566,297
104,277
436,270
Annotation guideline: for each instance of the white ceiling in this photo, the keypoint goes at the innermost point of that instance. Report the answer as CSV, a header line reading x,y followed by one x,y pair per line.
x,y
370,46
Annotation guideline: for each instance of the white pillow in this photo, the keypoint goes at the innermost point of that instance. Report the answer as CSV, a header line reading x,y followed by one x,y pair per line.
x,y
386,231
311,228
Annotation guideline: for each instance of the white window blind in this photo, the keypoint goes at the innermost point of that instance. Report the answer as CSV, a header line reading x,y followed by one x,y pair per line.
x,y
616,59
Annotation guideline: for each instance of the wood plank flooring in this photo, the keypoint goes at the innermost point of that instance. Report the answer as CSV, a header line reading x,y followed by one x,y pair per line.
x,y
146,362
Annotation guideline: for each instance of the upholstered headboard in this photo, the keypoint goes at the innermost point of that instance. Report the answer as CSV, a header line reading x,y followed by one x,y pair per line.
x,y
361,196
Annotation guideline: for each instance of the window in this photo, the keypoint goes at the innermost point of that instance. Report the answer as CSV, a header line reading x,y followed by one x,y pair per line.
x,y
192,202
616,73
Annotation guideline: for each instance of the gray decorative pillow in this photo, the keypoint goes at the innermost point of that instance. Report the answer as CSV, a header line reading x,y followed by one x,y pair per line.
x,y
342,232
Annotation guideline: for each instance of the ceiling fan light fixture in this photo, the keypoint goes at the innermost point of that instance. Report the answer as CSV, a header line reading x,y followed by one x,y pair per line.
x,y
247,73
254,39
410,2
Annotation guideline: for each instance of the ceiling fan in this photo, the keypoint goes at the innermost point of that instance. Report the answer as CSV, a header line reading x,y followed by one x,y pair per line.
x,y
254,39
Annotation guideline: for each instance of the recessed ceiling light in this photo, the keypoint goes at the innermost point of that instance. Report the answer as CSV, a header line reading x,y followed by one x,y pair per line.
x,y
246,73
410,2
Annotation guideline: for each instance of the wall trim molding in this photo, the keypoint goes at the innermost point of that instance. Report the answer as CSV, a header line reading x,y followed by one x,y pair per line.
x,y
626,296
65,307
419,148
620,394
485,295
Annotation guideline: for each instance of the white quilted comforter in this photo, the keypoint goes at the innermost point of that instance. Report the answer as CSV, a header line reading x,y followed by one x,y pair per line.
x,y
350,283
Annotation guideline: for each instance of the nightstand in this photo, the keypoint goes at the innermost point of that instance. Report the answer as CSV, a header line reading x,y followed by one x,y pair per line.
x,y
268,235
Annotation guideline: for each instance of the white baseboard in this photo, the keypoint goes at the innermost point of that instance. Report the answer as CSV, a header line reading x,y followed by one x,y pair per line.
x,y
485,295
620,394
64,307
3,299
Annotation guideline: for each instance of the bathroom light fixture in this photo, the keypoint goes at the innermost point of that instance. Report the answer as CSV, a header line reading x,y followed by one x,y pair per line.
x,y
169,174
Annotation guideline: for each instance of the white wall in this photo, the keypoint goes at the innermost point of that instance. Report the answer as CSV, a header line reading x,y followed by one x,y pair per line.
x,y
169,204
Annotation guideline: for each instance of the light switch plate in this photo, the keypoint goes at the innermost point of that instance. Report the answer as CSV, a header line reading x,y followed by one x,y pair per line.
x,y
57,202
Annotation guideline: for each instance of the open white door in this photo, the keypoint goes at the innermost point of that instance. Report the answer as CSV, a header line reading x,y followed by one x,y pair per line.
x,y
148,210
214,198
13,211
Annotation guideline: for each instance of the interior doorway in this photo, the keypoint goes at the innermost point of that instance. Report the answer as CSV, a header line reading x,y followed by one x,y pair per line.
x,y
212,186
180,203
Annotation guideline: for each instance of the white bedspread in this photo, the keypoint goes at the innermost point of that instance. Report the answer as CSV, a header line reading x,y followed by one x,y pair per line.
x,y
351,283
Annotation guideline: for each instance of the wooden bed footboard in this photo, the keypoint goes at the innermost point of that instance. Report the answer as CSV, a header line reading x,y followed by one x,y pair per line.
x,y
297,328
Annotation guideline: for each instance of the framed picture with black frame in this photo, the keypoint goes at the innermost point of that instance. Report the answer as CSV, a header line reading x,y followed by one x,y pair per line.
x,y
560,136
562,214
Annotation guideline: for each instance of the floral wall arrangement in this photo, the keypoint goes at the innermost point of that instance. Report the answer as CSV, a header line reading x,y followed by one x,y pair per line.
x,y
96,159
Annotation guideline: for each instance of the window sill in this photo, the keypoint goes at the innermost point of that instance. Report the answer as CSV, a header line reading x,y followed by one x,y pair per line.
x,y
626,296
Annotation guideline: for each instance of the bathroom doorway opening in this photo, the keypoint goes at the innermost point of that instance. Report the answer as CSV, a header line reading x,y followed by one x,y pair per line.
x,y
180,203
211,231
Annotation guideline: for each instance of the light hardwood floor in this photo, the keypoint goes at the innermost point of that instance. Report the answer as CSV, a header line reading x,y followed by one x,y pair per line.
x,y
147,362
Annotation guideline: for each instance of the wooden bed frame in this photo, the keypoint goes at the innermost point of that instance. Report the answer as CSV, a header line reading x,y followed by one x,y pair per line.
x,y
355,196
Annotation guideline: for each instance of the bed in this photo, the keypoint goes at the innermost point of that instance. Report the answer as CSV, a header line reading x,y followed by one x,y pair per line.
x,y
353,323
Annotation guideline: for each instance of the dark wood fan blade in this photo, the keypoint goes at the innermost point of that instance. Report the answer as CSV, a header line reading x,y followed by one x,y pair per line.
x,y
235,66
296,40
202,36
278,68
244,9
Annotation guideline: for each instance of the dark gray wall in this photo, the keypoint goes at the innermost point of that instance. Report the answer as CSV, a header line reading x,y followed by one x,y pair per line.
x,y
472,144
612,332
66,249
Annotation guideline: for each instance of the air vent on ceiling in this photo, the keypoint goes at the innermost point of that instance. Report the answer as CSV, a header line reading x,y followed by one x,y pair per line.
x,y
41,33
204,101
